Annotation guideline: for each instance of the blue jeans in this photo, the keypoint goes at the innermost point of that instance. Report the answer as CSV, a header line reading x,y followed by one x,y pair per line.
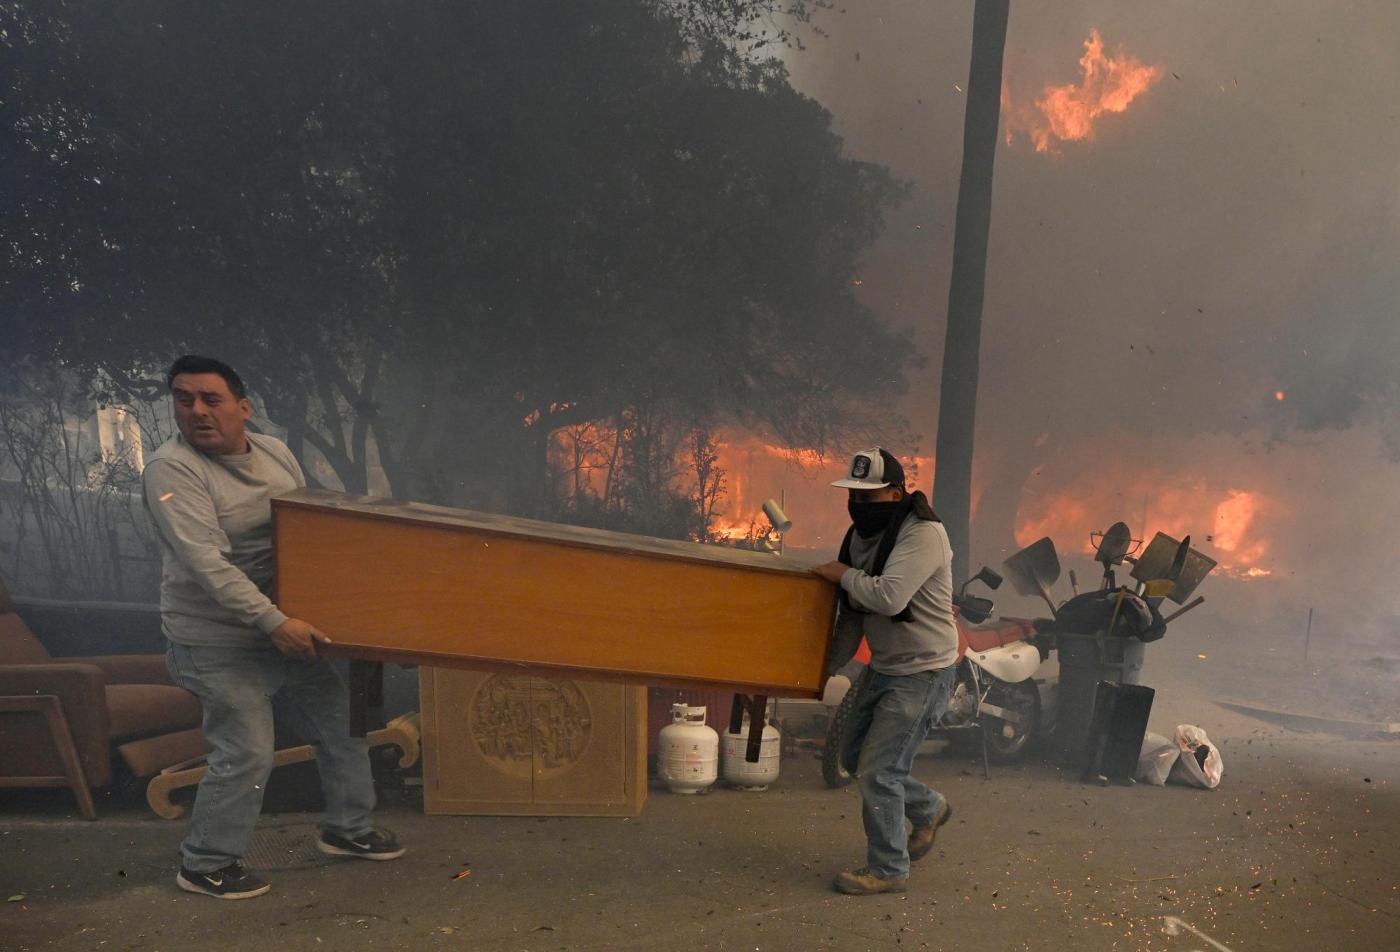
x,y
239,689
893,714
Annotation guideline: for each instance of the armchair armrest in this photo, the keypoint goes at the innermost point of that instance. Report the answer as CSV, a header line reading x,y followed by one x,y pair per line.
x,y
128,669
82,682
80,690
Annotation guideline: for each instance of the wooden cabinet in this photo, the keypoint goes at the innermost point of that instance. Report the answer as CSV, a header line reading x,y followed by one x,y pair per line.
x,y
444,587
521,744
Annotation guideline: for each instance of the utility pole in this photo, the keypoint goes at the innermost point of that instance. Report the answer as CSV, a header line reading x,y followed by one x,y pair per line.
x,y
957,401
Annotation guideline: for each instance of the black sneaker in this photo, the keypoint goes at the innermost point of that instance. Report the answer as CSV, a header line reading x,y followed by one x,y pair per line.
x,y
231,882
376,844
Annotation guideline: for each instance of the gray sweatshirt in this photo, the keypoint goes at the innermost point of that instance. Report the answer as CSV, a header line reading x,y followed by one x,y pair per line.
x,y
214,516
918,573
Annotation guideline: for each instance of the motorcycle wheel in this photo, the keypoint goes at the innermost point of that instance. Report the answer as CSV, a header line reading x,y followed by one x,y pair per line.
x,y
1023,698
833,772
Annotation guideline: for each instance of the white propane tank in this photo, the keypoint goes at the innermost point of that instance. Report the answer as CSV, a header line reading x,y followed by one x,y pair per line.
x,y
738,772
689,755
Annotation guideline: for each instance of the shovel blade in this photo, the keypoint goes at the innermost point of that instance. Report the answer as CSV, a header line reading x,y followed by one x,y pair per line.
x,y
1034,569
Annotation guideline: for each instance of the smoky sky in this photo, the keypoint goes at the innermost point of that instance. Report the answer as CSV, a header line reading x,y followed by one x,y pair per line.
x,y
1173,271
1233,235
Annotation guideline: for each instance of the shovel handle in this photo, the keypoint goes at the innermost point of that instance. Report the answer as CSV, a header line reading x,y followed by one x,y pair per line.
x,y
1184,608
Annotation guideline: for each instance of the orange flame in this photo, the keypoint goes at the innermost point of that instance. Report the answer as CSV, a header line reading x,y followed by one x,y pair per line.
x,y
754,470
1222,523
1234,517
1068,113
757,470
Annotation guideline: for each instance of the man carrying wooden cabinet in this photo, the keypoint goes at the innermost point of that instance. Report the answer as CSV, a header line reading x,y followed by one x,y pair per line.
x,y
209,490
895,573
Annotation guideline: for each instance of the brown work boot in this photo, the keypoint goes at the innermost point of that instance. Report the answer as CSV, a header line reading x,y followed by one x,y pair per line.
x,y
921,839
862,882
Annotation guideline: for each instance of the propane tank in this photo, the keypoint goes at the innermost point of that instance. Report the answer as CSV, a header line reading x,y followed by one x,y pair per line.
x,y
689,755
738,772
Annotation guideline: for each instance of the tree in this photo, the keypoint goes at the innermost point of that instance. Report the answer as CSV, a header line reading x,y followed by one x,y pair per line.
x,y
710,482
430,235
69,504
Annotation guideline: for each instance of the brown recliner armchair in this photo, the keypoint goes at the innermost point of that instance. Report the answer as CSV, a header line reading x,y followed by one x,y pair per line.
x,y
62,718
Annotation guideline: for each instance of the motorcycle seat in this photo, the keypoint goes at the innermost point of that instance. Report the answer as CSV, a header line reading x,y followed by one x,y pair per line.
x,y
1006,631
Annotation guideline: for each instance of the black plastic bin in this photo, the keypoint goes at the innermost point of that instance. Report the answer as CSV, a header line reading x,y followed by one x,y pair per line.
x,y
1085,660
1121,712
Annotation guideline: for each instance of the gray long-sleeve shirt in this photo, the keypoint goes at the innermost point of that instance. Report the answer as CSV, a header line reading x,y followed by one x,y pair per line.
x,y
919,574
214,516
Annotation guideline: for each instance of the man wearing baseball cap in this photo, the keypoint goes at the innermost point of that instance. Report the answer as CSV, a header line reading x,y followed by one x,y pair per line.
x,y
895,573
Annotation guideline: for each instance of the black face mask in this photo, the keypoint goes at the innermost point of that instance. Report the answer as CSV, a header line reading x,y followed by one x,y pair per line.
x,y
871,518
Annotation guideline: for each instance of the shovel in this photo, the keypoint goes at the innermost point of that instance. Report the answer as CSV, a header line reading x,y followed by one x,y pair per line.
x,y
1113,545
1158,587
1166,558
1034,569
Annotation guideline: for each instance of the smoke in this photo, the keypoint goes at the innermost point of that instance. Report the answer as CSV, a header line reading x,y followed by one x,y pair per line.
x,y
1341,370
1230,236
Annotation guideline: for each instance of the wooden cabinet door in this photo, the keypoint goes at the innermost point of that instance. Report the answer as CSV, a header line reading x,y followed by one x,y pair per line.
x,y
525,744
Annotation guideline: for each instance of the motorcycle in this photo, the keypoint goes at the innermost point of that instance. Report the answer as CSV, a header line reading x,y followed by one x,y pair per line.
x,y
994,692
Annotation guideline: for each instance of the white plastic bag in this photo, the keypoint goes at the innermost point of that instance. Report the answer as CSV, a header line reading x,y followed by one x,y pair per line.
x,y
1159,755
1192,767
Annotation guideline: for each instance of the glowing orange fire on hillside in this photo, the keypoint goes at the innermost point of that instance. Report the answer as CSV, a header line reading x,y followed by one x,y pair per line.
x,y
754,470
1223,521
1068,113
1226,522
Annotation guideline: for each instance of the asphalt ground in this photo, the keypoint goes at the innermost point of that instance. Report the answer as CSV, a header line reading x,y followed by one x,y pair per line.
x,y
1298,849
